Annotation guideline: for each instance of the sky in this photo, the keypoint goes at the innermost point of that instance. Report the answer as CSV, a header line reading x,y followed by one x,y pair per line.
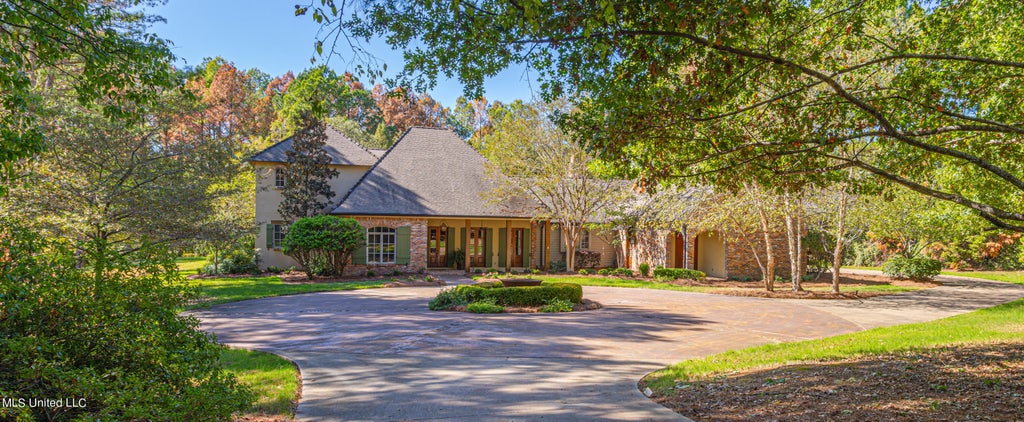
x,y
267,35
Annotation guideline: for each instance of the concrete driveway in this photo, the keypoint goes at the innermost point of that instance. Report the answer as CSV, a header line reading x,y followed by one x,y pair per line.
x,y
381,355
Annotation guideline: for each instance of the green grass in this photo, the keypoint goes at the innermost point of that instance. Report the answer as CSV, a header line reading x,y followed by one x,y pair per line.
x,y
1001,323
188,265
273,379
223,290
1016,277
215,291
620,282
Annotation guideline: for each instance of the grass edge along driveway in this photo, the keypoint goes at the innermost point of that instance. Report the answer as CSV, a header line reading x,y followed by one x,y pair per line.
x,y
990,325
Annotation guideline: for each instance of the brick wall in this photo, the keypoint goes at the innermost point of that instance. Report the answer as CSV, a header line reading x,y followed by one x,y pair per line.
x,y
417,245
740,260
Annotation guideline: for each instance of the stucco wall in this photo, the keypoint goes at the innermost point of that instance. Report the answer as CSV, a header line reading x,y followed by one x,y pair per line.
x,y
268,197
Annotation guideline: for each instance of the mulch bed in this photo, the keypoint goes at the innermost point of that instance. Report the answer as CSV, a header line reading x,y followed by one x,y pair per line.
x,y
966,383
585,305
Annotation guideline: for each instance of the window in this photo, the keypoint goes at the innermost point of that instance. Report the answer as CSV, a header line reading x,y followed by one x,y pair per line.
x,y
279,177
380,245
584,240
278,235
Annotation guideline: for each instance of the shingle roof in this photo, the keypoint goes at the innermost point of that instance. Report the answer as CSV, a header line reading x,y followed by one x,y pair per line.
x,y
343,151
428,172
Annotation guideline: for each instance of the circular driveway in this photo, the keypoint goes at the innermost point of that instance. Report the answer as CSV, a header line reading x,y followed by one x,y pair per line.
x,y
381,355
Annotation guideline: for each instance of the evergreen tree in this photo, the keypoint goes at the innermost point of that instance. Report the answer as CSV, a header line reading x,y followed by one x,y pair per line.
x,y
308,172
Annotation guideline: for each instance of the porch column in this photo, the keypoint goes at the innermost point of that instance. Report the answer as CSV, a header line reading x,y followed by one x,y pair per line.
x,y
546,247
508,245
465,248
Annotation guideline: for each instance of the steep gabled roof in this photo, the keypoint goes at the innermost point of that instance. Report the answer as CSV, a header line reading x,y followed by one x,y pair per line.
x,y
428,172
343,151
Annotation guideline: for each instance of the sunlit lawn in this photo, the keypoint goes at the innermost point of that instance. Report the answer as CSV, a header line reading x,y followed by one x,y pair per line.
x,y
273,379
188,265
1000,323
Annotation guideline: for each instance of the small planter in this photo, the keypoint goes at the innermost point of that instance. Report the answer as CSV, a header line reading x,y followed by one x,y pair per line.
x,y
520,282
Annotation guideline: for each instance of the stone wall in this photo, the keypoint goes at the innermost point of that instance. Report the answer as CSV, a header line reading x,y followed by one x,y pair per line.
x,y
650,247
740,261
417,245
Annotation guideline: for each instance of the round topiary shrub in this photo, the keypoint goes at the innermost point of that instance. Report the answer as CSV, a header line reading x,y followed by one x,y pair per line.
x,y
323,244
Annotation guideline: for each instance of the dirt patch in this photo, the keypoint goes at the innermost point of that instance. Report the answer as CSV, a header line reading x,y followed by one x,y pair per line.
x,y
979,382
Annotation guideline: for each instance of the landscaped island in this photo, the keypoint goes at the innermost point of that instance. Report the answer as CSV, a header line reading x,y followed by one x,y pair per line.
x,y
491,297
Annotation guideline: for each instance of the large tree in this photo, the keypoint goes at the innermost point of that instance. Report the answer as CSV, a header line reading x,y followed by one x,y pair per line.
x,y
907,91
307,173
529,157
102,46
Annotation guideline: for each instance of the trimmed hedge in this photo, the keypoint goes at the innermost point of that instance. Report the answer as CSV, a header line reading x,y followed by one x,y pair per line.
x,y
522,296
913,268
677,273
621,272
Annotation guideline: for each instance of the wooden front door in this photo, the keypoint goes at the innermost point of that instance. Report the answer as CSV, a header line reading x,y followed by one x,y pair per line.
x,y
475,247
437,247
518,247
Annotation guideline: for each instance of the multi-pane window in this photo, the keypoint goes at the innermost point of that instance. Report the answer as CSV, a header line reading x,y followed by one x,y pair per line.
x,y
475,247
380,245
279,177
278,235
584,239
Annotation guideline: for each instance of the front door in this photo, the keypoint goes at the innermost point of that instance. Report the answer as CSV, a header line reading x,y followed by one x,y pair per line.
x,y
475,248
437,247
517,247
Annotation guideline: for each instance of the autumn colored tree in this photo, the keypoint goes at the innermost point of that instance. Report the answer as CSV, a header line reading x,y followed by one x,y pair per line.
x,y
401,109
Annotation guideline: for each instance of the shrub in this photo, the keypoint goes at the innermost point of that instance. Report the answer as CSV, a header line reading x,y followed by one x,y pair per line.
x,y
447,299
485,307
623,272
396,272
108,332
583,272
557,305
677,273
491,270
275,270
458,258
238,261
371,273
489,284
604,271
323,237
523,296
914,268
558,267
534,271
587,259
645,269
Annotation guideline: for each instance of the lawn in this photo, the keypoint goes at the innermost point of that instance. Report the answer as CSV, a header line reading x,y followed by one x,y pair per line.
x,y
273,379
223,290
188,265
1016,277
1000,323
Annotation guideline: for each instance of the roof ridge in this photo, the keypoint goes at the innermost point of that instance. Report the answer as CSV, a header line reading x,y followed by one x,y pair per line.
x,y
374,167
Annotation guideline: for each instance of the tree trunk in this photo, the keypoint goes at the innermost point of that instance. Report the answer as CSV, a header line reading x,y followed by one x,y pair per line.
x,y
791,242
769,273
837,255
571,238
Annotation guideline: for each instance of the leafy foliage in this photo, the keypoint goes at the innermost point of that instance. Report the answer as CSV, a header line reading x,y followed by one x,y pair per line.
x,y
103,44
116,340
677,273
447,299
238,261
308,173
557,305
913,268
645,269
485,306
323,241
523,296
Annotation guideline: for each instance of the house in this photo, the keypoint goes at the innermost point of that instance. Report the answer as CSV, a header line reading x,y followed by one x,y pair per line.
x,y
424,201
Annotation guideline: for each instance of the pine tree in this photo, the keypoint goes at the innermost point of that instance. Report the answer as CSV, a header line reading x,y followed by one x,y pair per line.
x,y
308,172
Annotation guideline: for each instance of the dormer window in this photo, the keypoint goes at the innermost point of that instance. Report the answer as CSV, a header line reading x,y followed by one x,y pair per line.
x,y
279,177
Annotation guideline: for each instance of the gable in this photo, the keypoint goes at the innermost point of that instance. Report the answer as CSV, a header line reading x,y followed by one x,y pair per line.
x,y
342,150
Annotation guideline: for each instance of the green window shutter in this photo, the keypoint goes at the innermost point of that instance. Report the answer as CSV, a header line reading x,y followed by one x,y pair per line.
x,y
359,255
502,246
402,245
526,248
270,237
462,241
488,234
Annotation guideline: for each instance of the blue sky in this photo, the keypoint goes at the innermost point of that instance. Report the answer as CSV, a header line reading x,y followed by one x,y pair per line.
x,y
266,34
